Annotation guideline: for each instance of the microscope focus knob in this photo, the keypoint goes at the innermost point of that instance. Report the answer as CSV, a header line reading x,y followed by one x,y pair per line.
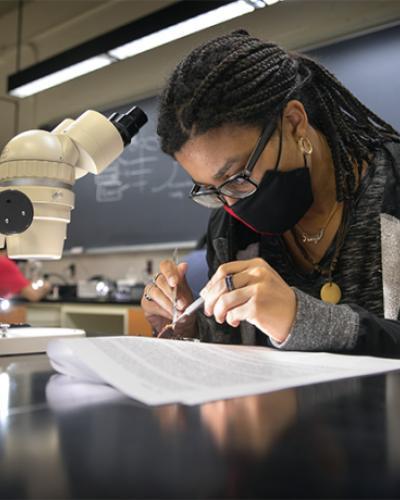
x,y
16,212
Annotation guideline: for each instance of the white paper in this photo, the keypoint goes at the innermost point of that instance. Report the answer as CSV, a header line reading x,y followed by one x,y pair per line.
x,y
160,371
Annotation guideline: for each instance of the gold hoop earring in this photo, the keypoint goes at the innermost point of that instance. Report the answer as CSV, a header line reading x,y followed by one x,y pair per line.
x,y
305,145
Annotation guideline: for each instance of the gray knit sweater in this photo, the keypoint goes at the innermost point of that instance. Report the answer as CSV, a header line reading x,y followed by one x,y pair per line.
x,y
368,273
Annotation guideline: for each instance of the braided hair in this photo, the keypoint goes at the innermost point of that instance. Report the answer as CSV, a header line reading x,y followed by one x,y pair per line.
x,y
239,79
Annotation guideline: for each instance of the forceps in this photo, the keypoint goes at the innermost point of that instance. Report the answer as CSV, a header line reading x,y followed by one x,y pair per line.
x,y
187,312
176,317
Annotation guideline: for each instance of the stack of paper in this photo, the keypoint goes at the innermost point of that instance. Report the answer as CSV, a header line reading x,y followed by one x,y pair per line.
x,y
159,371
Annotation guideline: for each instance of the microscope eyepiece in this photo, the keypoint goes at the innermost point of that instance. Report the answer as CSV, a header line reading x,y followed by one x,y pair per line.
x,y
128,124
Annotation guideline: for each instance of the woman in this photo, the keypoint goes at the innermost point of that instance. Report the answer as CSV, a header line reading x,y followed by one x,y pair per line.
x,y
305,182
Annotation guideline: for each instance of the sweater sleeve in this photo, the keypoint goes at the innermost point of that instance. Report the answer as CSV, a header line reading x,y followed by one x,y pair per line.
x,y
320,326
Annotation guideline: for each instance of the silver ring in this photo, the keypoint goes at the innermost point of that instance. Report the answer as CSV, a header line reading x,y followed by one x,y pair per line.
x,y
146,293
154,279
229,282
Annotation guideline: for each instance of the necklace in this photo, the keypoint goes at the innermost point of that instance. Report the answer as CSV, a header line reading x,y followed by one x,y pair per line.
x,y
330,291
316,238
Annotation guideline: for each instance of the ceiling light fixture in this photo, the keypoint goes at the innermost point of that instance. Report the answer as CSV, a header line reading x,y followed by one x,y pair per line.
x,y
61,76
161,27
184,28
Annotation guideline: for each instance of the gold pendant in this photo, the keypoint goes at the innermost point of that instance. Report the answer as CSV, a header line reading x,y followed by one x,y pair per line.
x,y
331,293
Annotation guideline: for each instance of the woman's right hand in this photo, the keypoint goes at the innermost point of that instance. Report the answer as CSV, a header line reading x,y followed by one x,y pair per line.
x,y
157,300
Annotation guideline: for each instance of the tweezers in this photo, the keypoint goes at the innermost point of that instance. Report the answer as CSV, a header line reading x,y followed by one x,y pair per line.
x,y
187,312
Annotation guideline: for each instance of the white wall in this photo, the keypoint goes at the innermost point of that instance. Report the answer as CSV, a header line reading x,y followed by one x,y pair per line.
x,y
113,266
51,26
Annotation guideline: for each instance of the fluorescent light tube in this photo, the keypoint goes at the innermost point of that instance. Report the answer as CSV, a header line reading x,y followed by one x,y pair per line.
x,y
193,25
62,76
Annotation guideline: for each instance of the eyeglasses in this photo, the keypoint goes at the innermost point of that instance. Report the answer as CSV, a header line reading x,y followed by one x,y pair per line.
x,y
238,186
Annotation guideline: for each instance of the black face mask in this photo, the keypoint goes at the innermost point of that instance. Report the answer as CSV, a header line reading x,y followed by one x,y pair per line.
x,y
281,200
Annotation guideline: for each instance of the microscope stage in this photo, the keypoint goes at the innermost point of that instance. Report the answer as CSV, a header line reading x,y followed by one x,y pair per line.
x,y
27,340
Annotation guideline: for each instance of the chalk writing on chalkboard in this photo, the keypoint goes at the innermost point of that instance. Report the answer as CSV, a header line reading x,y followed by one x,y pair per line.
x,y
138,169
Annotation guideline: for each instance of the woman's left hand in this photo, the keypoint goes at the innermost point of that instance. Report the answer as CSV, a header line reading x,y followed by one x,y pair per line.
x,y
259,296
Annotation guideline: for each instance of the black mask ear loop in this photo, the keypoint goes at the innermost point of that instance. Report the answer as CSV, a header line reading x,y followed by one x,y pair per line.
x,y
280,145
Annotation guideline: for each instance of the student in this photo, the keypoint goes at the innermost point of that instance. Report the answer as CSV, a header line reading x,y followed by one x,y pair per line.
x,y
305,180
13,282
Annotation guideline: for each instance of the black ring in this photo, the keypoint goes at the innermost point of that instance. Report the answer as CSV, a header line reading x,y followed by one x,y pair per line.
x,y
229,282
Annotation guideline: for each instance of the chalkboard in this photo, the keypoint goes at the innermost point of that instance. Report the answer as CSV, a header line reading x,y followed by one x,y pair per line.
x,y
140,199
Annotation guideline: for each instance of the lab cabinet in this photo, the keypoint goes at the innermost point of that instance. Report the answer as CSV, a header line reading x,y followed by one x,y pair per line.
x,y
94,318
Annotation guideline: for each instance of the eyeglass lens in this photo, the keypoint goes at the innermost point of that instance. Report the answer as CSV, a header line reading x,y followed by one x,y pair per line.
x,y
239,186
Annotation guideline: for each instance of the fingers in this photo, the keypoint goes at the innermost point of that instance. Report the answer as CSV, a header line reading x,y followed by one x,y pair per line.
x,y
170,271
235,316
232,286
182,268
162,284
231,301
160,290
184,296
252,266
154,300
211,294
152,308
228,268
